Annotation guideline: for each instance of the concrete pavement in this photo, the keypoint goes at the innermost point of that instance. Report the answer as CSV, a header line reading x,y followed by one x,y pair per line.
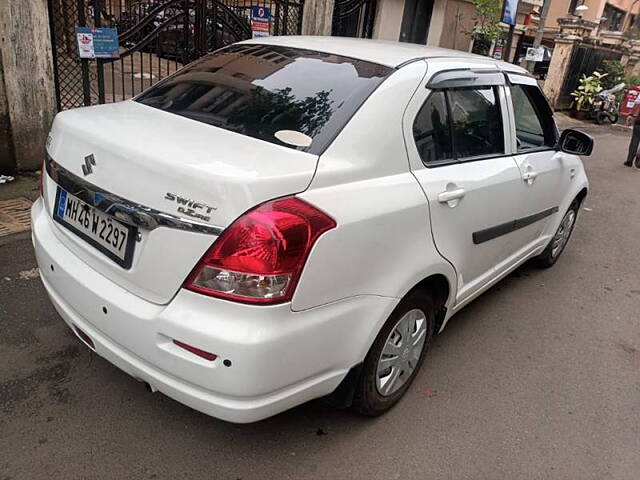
x,y
539,378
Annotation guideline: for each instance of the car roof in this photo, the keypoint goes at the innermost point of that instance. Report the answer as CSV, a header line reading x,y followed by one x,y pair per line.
x,y
390,54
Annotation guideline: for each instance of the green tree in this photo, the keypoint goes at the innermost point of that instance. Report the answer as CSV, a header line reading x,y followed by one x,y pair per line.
x,y
613,73
486,27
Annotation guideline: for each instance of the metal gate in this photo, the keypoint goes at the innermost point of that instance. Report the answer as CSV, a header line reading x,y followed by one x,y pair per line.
x,y
585,59
354,18
157,37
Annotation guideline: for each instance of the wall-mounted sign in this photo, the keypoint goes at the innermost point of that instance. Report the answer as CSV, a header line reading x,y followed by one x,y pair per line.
x,y
498,50
509,11
534,54
98,42
260,19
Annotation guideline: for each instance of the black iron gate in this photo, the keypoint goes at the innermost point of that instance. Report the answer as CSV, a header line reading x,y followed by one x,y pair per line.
x,y
585,59
156,38
354,18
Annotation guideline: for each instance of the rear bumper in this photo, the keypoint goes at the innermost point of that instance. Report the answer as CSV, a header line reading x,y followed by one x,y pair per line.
x,y
278,358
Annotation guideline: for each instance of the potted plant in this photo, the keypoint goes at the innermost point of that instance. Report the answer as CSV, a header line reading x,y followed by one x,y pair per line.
x,y
486,29
584,95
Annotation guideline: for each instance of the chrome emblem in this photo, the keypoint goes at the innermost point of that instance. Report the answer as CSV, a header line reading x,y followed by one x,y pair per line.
x,y
89,163
191,208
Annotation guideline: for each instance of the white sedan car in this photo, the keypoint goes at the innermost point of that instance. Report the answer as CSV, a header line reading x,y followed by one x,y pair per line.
x,y
295,217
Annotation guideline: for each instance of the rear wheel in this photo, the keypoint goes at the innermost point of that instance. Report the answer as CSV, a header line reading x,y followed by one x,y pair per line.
x,y
396,355
559,241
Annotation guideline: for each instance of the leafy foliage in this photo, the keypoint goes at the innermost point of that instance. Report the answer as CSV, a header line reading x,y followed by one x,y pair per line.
x,y
486,25
614,72
486,19
584,95
630,80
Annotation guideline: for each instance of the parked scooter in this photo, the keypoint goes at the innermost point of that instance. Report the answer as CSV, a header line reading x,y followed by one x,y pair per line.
x,y
605,106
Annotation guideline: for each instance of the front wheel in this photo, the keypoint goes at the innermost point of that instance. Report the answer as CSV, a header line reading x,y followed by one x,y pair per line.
x,y
396,355
559,241
602,117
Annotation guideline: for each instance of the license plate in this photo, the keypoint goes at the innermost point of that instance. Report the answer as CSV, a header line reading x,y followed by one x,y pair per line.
x,y
108,235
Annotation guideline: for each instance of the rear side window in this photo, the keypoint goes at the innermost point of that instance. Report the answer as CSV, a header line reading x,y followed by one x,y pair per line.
x,y
267,92
535,127
476,122
432,131
459,124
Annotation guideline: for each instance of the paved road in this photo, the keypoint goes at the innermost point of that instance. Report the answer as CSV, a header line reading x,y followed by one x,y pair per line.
x,y
540,378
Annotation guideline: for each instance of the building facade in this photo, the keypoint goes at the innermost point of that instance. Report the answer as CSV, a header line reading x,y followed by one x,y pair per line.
x,y
610,16
442,23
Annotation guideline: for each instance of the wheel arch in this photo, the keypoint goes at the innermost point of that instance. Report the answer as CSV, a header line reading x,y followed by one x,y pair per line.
x,y
582,194
436,284
439,286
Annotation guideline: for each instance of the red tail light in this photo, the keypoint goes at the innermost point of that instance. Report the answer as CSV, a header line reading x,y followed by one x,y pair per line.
x,y
259,258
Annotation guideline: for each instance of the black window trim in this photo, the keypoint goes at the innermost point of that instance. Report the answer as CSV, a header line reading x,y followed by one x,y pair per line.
x,y
546,148
466,77
475,158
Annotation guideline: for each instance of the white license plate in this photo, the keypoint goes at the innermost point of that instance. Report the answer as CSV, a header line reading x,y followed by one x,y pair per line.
x,y
112,237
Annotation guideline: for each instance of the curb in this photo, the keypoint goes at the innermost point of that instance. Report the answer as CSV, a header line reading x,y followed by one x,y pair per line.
x,y
619,126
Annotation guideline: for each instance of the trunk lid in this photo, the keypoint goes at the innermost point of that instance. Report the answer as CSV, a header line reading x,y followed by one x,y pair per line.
x,y
168,162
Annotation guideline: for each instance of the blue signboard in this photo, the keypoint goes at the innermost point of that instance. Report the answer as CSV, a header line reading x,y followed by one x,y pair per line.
x,y
261,14
260,19
98,42
509,11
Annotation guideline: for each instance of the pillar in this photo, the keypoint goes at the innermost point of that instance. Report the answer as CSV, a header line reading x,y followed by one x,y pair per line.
x,y
558,68
27,71
572,30
317,17
7,159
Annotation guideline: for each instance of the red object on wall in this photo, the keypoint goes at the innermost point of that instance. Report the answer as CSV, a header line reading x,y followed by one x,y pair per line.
x,y
629,100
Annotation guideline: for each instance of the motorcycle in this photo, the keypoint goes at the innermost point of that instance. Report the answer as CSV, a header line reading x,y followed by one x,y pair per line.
x,y
605,106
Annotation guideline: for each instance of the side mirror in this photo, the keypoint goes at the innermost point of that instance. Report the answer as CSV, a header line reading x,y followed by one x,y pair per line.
x,y
575,142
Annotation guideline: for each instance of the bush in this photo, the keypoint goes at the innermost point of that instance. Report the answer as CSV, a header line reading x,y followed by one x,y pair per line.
x,y
614,72
630,81
588,87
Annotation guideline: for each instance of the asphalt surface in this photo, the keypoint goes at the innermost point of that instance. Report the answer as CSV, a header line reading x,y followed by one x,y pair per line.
x,y
539,378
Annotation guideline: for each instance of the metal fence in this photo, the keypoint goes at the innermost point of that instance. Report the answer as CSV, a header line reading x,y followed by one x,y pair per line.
x,y
156,38
354,18
585,59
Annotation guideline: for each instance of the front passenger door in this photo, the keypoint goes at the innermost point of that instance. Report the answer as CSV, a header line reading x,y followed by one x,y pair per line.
x,y
541,166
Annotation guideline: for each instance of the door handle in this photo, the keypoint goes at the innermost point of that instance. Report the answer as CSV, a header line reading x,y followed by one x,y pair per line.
x,y
529,176
451,197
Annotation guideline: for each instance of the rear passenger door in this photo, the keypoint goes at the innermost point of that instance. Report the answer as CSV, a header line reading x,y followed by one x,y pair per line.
x,y
459,147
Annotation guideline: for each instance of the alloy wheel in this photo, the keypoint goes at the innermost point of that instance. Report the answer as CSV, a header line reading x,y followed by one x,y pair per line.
x,y
562,235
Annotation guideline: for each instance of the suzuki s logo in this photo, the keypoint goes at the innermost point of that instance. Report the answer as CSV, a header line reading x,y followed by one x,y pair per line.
x,y
89,163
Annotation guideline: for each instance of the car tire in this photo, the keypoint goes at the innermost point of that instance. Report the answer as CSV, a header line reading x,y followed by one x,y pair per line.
x,y
413,318
559,241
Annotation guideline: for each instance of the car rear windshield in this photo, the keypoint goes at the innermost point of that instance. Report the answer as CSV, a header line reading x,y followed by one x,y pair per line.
x,y
287,96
